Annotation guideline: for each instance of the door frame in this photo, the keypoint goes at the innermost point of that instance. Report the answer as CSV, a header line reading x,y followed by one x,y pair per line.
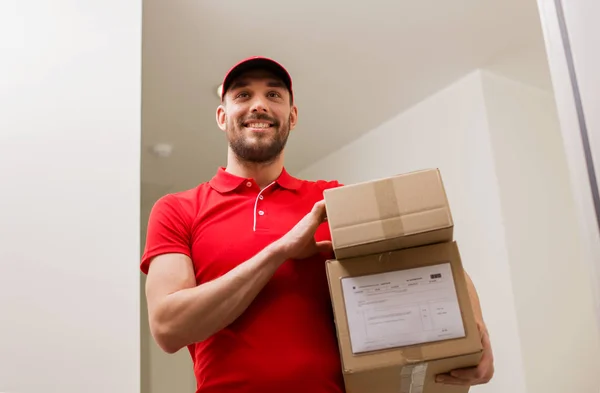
x,y
568,54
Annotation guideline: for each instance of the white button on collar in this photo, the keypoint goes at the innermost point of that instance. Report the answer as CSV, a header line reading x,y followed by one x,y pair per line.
x,y
260,212
261,197
249,184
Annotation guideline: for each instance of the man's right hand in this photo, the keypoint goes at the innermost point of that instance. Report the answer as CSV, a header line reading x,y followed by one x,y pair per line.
x,y
299,242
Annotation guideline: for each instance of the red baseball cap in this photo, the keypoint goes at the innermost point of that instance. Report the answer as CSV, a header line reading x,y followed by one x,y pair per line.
x,y
257,62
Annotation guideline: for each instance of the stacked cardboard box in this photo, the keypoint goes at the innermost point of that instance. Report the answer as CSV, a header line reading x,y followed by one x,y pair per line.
x,y
398,288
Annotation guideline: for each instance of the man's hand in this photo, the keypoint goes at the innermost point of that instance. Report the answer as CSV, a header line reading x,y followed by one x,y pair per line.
x,y
299,242
481,374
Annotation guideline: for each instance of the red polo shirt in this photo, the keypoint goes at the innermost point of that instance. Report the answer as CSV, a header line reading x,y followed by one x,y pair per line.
x,y
285,342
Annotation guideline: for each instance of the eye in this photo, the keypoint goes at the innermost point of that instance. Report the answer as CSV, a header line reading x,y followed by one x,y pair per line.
x,y
274,94
242,95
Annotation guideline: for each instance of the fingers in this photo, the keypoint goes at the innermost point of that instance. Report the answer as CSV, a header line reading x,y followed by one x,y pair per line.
x,y
324,246
448,379
467,376
320,211
319,206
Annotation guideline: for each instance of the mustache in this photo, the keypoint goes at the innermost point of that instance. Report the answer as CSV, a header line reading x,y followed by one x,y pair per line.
x,y
259,116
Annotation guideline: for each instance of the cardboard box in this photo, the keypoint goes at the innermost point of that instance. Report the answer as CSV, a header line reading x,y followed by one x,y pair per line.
x,y
402,317
393,213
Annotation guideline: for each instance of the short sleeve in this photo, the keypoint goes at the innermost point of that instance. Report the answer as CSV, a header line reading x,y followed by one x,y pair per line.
x,y
168,231
327,184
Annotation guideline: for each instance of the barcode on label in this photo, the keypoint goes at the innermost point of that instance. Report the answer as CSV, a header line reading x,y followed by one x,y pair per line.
x,y
437,275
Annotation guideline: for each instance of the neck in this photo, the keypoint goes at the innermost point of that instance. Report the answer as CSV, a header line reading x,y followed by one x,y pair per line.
x,y
262,173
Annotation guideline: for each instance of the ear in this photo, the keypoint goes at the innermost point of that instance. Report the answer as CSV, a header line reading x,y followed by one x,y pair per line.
x,y
293,117
221,118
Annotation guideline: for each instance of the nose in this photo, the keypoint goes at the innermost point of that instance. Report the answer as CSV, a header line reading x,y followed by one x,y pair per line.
x,y
258,105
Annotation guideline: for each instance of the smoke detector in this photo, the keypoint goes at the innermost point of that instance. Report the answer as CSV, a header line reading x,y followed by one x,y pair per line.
x,y
162,150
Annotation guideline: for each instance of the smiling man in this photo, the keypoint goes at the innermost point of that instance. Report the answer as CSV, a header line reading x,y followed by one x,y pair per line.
x,y
236,265
257,135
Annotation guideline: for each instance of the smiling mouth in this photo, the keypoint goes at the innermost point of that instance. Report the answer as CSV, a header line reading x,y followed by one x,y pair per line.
x,y
252,124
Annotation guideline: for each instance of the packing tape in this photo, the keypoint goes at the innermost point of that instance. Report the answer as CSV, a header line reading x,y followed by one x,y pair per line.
x,y
412,378
413,355
387,204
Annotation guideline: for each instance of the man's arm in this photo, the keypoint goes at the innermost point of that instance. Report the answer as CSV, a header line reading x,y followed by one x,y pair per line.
x,y
476,304
484,372
182,313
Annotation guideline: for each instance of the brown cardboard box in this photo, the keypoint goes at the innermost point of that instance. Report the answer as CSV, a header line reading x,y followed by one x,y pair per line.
x,y
402,317
387,214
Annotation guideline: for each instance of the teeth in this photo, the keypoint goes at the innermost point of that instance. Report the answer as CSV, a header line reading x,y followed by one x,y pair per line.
x,y
258,125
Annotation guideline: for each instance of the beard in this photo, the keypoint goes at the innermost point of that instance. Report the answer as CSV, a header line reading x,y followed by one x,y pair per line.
x,y
266,148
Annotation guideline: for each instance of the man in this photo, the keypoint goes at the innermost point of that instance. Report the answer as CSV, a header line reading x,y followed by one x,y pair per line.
x,y
236,265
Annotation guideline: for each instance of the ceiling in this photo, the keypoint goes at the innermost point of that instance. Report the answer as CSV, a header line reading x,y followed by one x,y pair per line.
x,y
354,66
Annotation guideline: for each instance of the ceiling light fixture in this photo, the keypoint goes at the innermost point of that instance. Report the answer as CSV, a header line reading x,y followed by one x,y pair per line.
x,y
220,90
162,150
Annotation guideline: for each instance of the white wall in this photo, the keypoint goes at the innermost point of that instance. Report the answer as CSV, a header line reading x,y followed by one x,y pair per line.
x,y
550,282
450,131
69,217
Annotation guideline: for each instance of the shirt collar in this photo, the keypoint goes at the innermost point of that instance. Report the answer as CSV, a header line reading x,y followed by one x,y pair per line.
x,y
224,181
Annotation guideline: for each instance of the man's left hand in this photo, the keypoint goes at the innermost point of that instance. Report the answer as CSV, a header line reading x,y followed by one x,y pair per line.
x,y
470,376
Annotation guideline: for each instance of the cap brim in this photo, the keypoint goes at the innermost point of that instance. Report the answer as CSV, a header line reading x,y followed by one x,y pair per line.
x,y
254,63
